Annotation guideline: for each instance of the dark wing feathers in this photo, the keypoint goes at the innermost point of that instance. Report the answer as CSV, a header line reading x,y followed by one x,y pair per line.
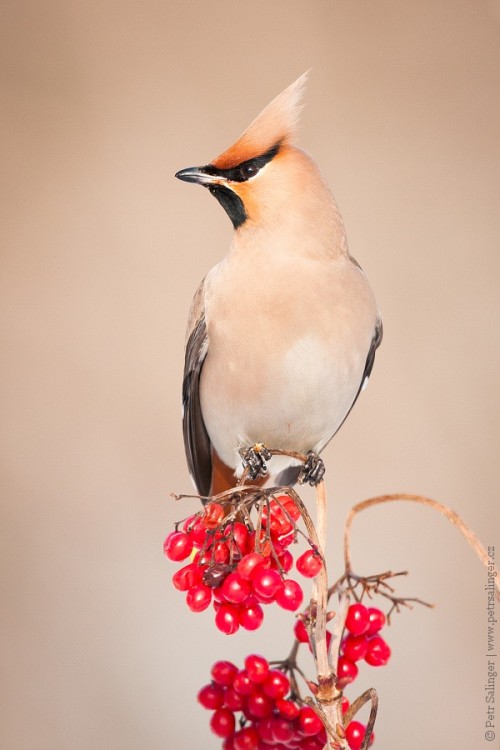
x,y
376,341
196,441
370,359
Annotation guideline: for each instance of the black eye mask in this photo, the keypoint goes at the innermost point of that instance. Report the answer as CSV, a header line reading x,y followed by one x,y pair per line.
x,y
247,169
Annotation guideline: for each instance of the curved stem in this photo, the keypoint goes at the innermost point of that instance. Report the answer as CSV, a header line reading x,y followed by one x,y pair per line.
x,y
368,695
449,514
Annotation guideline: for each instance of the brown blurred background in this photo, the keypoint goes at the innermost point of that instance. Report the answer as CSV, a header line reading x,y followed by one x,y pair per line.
x,y
101,252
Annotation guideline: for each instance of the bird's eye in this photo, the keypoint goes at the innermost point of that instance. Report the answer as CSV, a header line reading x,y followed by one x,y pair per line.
x,y
248,170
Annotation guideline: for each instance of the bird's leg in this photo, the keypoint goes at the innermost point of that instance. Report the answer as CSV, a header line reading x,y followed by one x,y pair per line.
x,y
312,470
254,460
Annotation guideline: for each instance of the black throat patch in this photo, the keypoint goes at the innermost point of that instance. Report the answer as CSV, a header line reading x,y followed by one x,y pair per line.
x,y
231,203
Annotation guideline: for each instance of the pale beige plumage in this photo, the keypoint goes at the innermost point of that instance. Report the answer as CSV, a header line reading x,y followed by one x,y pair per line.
x,y
283,330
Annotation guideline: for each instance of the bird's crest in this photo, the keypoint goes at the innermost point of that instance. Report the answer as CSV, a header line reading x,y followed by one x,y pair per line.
x,y
276,123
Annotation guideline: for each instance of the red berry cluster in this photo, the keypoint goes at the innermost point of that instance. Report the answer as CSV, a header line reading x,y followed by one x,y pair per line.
x,y
254,710
237,568
363,641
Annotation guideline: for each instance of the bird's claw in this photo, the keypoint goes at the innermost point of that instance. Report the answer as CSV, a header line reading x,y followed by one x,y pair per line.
x,y
254,460
313,470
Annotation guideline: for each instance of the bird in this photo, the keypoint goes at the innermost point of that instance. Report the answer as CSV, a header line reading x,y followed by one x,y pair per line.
x,y
282,332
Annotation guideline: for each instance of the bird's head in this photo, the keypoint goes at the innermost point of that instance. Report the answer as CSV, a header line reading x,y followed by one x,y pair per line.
x,y
255,178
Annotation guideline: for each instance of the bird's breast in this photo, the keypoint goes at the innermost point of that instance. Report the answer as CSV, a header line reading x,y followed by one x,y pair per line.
x,y
287,348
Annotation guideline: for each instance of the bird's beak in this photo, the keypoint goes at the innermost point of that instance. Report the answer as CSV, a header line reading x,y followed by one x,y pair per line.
x,y
200,176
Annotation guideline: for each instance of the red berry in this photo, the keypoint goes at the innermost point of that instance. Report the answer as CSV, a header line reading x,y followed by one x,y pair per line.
x,y
217,597
259,706
286,560
246,739
224,672
309,563
285,541
378,652
345,704
228,743
214,514
211,696
235,589
257,667
289,505
251,616
355,734
275,514
355,647
265,583
242,684
309,721
198,597
276,685
193,526
347,670
233,700
239,532
277,551
184,578
280,523
222,722
264,727
312,743
227,619
282,729
221,552
377,620
287,708
290,595
177,546
300,632
249,563
357,620
262,545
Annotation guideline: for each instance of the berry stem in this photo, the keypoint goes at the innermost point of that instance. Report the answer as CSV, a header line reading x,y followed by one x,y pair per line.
x,y
338,624
320,590
448,513
368,695
328,697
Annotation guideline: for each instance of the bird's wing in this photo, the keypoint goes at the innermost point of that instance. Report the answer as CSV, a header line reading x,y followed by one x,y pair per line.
x,y
370,359
376,341
196,441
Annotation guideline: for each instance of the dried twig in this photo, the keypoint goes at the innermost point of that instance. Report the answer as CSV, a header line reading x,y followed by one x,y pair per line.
x,y
368,695
449,514
328,698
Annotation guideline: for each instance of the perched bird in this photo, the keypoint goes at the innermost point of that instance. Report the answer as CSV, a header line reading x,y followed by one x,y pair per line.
x,y
283,331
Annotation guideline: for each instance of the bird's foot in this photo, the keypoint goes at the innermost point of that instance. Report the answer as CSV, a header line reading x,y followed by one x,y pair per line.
x,y
313,470
254,460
